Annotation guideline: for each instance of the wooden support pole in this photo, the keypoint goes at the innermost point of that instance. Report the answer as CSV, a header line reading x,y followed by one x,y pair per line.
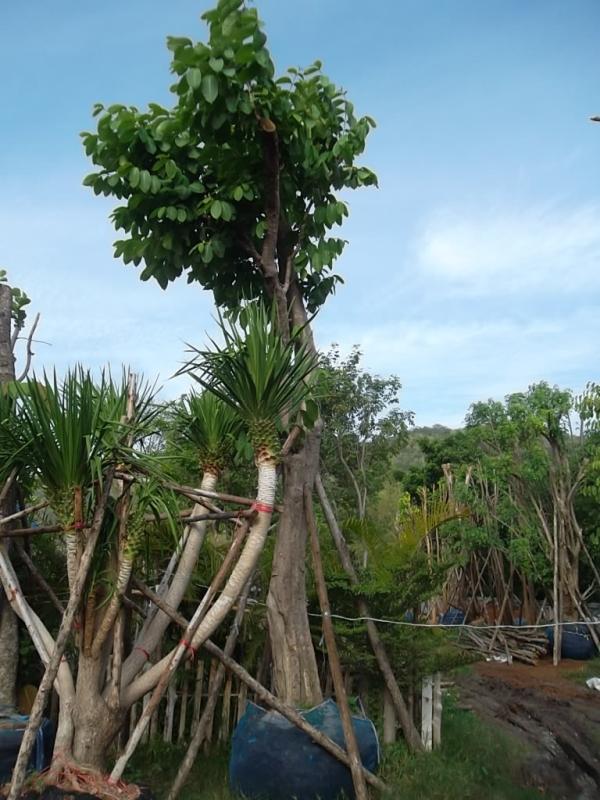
x,y
404,716
437,710
263,695
358,779
427,713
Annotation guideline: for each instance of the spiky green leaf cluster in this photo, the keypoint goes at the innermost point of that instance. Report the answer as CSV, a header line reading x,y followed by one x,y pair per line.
x,y
210,426
256,373
149,499
64,432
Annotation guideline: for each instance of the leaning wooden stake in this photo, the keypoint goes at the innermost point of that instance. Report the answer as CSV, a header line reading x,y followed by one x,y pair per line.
x,y
360,787
404,716
200,732
45,687
263,695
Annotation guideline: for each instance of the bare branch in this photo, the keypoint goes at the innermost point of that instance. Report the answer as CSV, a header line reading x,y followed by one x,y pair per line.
x,y
30,353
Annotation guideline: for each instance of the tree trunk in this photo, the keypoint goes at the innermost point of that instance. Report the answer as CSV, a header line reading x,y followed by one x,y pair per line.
x,y
295,673
9,632
9,653
96,723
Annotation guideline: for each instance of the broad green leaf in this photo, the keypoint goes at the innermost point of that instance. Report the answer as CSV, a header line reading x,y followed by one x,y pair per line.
x,y
145,180
210,88
134,177
216,64
216,209
194,77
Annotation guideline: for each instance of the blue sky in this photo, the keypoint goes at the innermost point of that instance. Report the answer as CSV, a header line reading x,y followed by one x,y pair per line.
x,y
472,272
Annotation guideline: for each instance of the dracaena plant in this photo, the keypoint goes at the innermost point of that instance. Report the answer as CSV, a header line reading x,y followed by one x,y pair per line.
x,y
211,427
264,379
258,374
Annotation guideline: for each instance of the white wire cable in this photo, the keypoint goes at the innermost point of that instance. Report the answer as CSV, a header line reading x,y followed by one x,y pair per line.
x,y
455,625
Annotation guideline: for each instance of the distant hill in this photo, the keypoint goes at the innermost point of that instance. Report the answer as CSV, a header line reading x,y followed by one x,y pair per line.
x,y
411,455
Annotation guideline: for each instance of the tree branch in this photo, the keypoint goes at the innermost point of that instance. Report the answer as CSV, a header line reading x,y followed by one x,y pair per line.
x,y
23,374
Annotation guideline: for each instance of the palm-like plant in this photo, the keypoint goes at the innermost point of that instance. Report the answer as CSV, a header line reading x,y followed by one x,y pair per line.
x,y
145,499
264,379
65,427
259,375
210,426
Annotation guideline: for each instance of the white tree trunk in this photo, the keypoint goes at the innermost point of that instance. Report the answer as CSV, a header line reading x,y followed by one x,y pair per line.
x,y
152,632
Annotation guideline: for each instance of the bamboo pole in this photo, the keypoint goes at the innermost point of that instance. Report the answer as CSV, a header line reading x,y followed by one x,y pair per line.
x,y
226,711
170,714
198,686
427,713
209,709
360,787
184,703
389,718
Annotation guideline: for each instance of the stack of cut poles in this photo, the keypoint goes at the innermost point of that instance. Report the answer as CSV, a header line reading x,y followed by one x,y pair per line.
x,y
510,644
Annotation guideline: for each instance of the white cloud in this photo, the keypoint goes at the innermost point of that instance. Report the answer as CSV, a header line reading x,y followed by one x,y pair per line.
x,y
446,366
511,250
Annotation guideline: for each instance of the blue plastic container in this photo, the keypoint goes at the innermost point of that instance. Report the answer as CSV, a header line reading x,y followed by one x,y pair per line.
x,y
271,759
12,728
576,642
454,616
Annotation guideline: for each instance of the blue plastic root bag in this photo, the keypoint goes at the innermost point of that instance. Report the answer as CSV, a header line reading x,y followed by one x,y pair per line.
x,y
12,728
576,641
271,759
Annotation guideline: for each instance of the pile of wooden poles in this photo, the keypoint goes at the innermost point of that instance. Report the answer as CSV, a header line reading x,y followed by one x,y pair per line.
x,y
510,644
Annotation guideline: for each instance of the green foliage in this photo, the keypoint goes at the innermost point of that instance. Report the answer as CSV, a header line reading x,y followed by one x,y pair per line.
x,y
192,178
256,373
65,429
19,302
475,761
363,428
211,426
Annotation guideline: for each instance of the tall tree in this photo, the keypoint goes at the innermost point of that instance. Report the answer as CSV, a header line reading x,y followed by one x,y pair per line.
x,y
9,637
364,428
12,320
236,185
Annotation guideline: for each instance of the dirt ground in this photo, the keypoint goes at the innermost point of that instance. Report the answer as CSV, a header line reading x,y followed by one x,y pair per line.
x,y
556,718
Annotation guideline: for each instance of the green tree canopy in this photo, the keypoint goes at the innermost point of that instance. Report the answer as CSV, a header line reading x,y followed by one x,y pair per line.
x,y
238,184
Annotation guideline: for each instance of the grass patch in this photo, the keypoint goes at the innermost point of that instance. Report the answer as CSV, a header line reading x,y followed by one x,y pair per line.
x,y
475,762
585,670
156,765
